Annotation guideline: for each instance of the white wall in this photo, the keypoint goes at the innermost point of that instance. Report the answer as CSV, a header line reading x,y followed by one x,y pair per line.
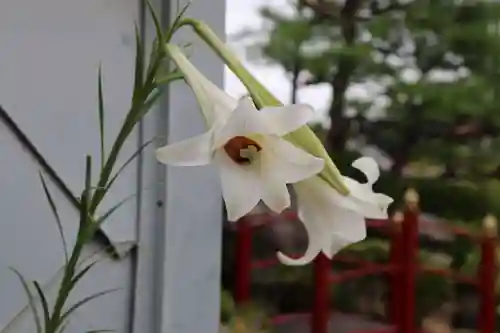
x,y
49,54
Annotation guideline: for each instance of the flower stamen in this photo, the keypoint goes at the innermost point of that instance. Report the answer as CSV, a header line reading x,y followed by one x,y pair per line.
x,y
242,150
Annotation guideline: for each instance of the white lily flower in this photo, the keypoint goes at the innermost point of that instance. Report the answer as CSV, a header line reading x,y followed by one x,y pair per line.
x,y
245,143
334,221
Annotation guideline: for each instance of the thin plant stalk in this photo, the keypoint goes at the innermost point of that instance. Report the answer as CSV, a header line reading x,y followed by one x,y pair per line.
x,y
146,93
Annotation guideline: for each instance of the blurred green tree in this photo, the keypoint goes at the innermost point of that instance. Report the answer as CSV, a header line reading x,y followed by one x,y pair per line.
x,y
433,66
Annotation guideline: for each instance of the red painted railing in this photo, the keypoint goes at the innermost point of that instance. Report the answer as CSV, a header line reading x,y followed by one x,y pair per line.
x,y
402,268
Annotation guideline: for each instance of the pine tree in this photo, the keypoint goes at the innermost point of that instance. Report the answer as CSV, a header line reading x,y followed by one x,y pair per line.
x,y
445,113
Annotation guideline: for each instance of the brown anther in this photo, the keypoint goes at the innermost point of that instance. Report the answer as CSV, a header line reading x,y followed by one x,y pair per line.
x,y
235,145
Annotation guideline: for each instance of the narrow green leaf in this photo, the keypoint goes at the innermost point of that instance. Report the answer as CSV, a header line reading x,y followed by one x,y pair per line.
x,y
86,300
88,177
156,21
94,256
101,116
31,300
175,25
139,63
82,273
110,211
169,78
56,215
154,69
85,214
139,113
158,53
129,160
63,327
140,105
135,116
148,104
45,305
127,126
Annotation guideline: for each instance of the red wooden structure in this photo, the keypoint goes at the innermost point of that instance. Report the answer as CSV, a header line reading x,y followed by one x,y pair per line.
x,y
402,267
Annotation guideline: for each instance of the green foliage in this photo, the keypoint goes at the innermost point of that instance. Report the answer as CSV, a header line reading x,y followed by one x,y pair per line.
x,y
227,306
457,201
452,50
432,291
251,318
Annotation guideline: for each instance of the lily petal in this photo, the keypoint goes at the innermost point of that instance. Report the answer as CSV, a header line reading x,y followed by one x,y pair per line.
x,y
364,200
312,251
275,195
241,186
287,119
347,227
309,204
191,152
314,231
369,167
244,121
329,226
282,161
214,102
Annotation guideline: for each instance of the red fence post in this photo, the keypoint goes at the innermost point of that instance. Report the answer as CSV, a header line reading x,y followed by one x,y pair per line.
x,y
487,275
243,260
321,312
409,262
395,260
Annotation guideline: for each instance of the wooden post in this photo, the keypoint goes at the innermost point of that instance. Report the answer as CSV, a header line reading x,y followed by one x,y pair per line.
x,y
243,260
395,259
321,311
487,275
409,262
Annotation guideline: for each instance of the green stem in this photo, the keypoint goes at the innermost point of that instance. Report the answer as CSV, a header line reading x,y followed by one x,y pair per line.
x,y
110,163
259,93
66,284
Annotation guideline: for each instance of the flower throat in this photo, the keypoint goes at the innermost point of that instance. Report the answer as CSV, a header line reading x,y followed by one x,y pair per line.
x,y
242,150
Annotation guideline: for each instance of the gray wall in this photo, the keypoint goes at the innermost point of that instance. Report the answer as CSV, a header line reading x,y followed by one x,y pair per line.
x,y
180,239
48,83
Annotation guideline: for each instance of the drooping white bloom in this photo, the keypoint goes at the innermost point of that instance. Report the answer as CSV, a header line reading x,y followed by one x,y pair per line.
x,y
245,143
334,221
